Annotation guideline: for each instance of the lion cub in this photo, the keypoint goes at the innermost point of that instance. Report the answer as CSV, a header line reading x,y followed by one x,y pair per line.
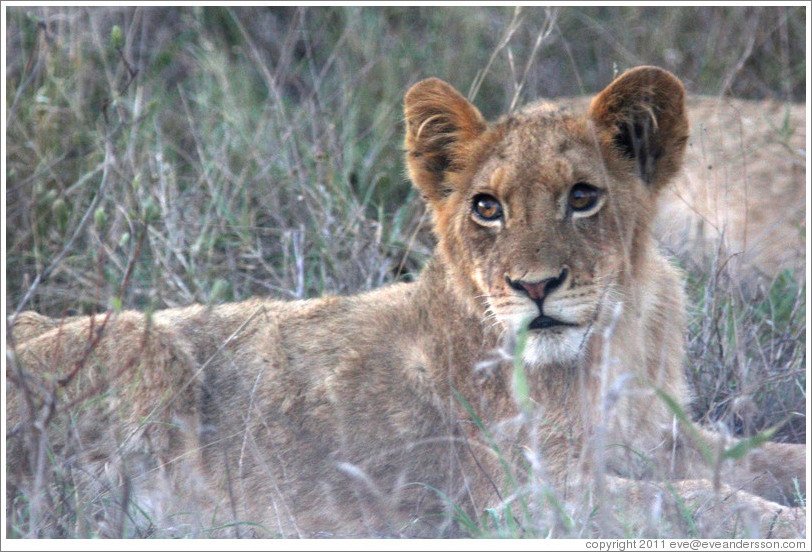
x,y
530,379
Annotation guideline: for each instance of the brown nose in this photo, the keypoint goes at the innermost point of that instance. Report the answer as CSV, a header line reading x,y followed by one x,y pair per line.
x,y
537,291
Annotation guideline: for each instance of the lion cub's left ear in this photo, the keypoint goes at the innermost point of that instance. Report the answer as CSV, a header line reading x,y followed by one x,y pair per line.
x,y
442,128
642,114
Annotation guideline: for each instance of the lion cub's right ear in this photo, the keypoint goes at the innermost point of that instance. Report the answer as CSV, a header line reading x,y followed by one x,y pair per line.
x,y
441,131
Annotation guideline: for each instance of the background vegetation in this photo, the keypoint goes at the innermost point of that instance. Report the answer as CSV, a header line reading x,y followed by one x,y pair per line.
x,y
162,156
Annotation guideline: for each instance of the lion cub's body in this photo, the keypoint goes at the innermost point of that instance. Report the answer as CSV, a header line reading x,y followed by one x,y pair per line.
x,y
380,414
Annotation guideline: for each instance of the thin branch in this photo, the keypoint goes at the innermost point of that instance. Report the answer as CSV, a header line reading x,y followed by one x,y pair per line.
x,y
79,230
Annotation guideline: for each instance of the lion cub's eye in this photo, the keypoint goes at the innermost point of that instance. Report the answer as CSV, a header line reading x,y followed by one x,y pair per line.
x,y
584,197
486,208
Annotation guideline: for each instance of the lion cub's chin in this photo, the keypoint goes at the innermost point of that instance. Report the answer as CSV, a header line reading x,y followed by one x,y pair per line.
x,y
560,344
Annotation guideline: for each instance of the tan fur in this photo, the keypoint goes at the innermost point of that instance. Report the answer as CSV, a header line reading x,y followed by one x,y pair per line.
x,y
743,192
379,414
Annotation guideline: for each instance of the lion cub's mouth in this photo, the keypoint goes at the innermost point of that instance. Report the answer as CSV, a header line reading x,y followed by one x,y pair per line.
x,y
542,322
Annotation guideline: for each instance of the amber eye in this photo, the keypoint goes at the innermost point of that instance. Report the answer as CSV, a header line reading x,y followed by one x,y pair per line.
x,y
486,208
584,197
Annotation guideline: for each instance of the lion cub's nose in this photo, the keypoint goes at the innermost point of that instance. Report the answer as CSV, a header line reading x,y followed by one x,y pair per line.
x,y
537,291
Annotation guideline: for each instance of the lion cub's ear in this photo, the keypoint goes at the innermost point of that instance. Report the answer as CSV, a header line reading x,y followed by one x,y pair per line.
x,y
441,131
642,114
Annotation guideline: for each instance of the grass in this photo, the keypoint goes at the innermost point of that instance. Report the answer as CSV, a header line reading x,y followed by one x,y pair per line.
x,y
748,353
158,157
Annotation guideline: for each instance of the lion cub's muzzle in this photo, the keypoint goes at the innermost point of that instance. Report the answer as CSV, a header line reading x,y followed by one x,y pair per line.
x,y
538,291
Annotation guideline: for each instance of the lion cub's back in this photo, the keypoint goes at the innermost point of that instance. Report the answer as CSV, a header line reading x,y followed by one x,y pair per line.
x,y
29,324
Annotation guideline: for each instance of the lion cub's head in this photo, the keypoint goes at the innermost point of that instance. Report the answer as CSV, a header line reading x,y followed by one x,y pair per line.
x,y
543,217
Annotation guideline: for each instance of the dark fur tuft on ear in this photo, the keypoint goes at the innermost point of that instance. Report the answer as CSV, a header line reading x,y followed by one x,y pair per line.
x,y
642,114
